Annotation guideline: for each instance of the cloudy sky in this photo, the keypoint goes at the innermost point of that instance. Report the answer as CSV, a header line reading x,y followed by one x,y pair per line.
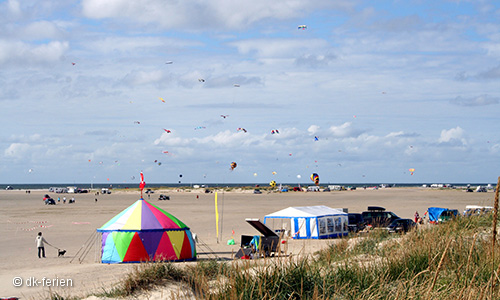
x,y
367,92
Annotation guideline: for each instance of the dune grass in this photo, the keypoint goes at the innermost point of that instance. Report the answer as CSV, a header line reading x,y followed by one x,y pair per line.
x,y
448,261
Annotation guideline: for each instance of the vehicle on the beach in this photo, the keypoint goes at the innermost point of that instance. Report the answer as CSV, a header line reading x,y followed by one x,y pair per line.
x,y
476,210
297,189
356,222
313,188
401,226
163,197
326,189
9,188
105,191
257,191
377,216
481,189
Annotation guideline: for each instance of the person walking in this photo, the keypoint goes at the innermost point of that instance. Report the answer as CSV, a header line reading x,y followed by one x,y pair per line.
x,y
40,244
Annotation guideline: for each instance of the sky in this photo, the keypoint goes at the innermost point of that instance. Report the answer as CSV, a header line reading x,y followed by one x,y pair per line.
x,y
366,92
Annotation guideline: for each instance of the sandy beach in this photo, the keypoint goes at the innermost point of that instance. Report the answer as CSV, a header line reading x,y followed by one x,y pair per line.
x,y
69,226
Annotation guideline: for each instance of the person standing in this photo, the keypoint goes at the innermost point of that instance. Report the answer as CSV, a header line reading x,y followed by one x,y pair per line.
x,y
40,244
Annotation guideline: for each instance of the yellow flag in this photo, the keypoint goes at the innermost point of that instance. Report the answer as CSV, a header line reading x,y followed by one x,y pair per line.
x,y
216,218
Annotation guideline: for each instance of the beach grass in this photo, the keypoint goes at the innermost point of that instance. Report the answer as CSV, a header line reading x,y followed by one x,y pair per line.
x,y
447,261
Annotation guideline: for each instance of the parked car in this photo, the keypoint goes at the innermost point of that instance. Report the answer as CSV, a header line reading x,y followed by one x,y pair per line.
x,y
257,191
297,189
312,189
401,226
326,189
356,222
163,197
377,216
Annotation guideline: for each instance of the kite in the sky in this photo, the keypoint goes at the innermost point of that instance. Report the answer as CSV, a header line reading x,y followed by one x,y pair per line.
x,y
233,165
236,85
315,178
199,127
137,122
201,80
411,171
73,63
169,62
272,184
274,131
30,170
224,116
167,130
303,27
316,138
274,173
241,129
162,100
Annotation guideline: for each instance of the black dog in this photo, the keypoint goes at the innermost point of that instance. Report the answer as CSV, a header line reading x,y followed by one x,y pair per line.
x,y
61,252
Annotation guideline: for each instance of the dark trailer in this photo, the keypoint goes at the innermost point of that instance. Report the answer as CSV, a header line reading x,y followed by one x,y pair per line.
x,y
264,245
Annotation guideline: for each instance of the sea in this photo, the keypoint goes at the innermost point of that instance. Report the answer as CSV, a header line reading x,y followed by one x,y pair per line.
x,y
46,186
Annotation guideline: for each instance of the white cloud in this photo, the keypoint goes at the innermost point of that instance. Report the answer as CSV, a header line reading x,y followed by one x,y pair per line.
x,y
481,100
279,47
204,15
344,130
453,135
313,129
17,150
24,53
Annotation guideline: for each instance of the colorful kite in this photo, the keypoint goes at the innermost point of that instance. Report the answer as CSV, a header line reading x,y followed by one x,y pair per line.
x,y
167,130
275,131
315,178
241,129
411,171
303,27
233,165
162,100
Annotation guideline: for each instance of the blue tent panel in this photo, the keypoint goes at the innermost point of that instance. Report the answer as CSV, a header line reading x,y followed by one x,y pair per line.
x,y
109,253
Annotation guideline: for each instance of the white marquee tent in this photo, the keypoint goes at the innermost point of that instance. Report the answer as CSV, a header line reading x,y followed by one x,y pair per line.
x,y
309,222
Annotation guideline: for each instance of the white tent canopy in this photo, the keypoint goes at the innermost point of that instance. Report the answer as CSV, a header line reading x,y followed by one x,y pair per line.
x,y
309,222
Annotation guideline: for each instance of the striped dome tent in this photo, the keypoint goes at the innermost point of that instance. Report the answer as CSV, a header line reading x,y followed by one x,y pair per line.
x,y
144,232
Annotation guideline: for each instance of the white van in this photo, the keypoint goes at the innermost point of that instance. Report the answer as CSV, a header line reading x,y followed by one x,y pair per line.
x,y
313,188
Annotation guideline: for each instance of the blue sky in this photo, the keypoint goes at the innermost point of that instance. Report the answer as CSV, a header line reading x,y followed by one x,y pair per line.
x,y
385,86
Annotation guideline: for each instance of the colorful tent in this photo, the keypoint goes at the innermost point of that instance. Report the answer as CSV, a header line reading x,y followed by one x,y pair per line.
x,y
144,232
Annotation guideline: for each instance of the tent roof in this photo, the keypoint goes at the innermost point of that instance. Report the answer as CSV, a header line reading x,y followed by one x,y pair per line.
x,y
143,215
306,211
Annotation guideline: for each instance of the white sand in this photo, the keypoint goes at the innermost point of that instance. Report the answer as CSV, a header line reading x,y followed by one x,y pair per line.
x,y
68,226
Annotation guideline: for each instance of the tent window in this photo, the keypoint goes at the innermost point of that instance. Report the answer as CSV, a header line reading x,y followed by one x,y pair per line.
x,y
322,227
338,225
329,222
